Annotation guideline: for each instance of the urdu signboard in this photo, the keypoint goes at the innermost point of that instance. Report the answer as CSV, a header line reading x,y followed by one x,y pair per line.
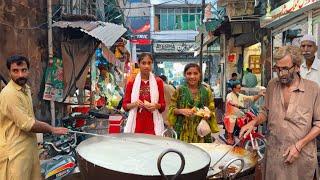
x,y
174,47
285,9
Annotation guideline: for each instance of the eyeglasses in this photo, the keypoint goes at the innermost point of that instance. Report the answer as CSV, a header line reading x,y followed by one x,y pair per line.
x,y
284,70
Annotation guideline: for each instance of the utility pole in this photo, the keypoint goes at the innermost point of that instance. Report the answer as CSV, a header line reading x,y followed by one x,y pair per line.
x,y
50,48
203,6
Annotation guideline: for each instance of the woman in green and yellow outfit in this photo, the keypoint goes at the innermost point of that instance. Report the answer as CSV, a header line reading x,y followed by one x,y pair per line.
x,y
191,94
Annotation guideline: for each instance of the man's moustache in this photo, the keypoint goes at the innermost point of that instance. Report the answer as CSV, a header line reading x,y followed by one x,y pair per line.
x,y
22,79
306,53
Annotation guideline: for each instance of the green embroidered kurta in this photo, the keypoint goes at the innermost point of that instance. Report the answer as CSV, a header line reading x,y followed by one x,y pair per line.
x,y
186,127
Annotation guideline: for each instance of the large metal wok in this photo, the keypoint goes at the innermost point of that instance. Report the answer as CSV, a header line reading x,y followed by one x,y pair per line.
x,y
140,156
237,162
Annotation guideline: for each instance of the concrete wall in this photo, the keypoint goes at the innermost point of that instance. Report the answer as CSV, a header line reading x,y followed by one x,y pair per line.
x,y
232,67
23,30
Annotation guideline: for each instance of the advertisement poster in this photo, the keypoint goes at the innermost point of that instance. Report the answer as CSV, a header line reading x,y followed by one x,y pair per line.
x,y
140,32
54,81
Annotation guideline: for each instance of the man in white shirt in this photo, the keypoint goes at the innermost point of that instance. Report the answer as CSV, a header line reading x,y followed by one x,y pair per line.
x,y
235,101
310,69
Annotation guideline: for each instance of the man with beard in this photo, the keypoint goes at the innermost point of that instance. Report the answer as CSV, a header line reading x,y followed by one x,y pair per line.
x,y
293,115
310,69
18,143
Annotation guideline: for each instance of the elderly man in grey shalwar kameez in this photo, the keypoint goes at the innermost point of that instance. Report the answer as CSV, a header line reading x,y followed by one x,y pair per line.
x,y
292,111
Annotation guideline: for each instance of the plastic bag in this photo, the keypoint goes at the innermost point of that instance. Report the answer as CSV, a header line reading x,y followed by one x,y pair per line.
x,y
203,128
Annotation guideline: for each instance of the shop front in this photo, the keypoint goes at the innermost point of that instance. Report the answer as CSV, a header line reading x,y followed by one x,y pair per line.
x,y
289,22
86,66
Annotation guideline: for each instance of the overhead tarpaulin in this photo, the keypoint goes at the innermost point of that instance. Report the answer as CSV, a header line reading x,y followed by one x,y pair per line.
x,y
247,39
107,33
76,55
76,50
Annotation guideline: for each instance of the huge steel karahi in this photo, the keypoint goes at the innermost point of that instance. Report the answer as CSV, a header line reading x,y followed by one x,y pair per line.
x,y
237,162
137,156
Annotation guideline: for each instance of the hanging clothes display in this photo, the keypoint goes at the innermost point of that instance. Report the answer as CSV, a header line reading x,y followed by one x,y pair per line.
x,y
54,80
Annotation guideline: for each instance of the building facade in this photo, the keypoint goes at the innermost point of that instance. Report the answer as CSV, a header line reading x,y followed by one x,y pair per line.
x,y
288,22
173,31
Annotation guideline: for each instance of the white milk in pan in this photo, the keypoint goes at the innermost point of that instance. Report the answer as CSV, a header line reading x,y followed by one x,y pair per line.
x,y
138,154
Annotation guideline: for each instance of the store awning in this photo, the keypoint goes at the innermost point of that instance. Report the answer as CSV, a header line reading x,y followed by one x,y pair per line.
x,y
286,12
107,33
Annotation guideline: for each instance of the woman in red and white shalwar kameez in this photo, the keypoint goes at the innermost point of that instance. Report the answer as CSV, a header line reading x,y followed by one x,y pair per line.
x,y
142,115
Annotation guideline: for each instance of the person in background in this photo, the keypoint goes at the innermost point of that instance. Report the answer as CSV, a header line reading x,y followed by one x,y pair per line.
x,y
249,79
234,102
171,83
206,83
217,88
187,96
168,92
144,99
310,68
292,112
234,80
19,157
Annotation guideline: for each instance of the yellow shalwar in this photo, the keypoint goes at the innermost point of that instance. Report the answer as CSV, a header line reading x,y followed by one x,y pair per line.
x,y
19,158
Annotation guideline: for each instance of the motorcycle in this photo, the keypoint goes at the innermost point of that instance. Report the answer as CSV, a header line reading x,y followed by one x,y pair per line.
x,y
255,140
58,167
62,153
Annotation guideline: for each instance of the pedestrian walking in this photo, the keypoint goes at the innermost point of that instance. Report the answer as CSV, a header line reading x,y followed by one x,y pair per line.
x,y
192,94
168,92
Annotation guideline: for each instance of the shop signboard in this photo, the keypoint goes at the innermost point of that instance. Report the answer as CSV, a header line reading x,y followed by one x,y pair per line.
x,y
174,47
140,32
285,9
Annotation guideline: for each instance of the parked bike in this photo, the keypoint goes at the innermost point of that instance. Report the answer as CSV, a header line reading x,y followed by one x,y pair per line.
x,y
255,140
62,153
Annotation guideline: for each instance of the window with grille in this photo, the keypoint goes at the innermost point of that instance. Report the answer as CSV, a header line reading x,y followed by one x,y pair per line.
x,y
188,18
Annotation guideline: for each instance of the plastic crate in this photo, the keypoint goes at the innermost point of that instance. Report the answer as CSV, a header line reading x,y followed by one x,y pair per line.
x,y
115,123
81,109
